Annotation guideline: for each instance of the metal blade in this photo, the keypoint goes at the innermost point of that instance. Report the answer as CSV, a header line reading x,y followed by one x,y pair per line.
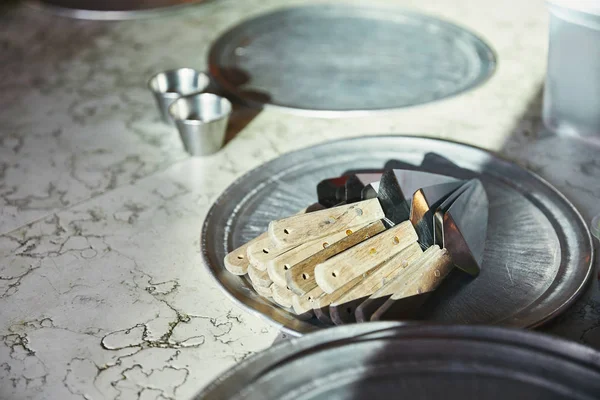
x,y
465,228
356,184
370,191
425,202
344,189
396,186
436,162
331,192
438,217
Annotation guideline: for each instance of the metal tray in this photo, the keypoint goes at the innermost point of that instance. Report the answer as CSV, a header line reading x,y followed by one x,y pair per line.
x,y
112,9
390,360
340,59
538,253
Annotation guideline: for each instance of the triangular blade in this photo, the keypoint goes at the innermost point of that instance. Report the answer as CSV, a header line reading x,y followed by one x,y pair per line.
x,y
370,191
331,192
438,217
356,184
424,203
397,186
344,189
465,228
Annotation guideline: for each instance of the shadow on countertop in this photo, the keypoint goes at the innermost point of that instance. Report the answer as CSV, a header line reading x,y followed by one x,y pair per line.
x,y
571,165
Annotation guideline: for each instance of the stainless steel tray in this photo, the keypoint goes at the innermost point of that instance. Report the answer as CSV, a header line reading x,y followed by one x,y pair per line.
x,y
340,59
538,253
389,360
111,9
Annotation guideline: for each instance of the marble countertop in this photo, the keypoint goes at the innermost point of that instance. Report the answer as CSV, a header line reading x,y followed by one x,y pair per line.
x,y
102,289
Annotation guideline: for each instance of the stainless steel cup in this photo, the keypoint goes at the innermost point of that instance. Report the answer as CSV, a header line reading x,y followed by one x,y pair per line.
x,y
202,122
170,85
572,88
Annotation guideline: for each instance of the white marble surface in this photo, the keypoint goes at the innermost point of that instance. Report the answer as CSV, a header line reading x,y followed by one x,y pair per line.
x,y
102,288
110,297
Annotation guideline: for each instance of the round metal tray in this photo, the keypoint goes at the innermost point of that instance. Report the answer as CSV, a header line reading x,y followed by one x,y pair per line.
x,y
389,360
340,59
538,253
111,9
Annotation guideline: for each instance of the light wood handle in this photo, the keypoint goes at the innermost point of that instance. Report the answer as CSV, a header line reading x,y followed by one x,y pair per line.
x,y
321,304
304,303
262,251
429,277
339,315
252,251
263,291
278,267
393,282
297,229
237,261
345,266
343,309
404,301
282,295
258,277
300,277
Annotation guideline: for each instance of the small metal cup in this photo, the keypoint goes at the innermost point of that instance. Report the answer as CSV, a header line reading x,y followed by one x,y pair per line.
x,y
202,122
168,86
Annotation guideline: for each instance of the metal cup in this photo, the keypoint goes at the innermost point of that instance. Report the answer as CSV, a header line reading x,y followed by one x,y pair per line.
x,y
202,122
170,85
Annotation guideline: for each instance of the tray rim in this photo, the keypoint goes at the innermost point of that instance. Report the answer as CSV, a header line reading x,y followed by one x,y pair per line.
x,y
260,362
288,330
215,70
112,15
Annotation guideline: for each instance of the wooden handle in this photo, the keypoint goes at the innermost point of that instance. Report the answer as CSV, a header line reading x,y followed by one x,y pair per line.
x,y
430,276
260,252
425,279
393,282
304,303
258,277
343,309
237,261
297,229
345,266
263,291
282,295
278,267
301,278
339,315
321,304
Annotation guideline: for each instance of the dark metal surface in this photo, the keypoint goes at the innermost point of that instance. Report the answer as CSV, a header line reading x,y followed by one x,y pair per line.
x,y
332,191
385,360
397,187
537,256
438,225
461,226
339,59
465,228
425,202
357,183
111,9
